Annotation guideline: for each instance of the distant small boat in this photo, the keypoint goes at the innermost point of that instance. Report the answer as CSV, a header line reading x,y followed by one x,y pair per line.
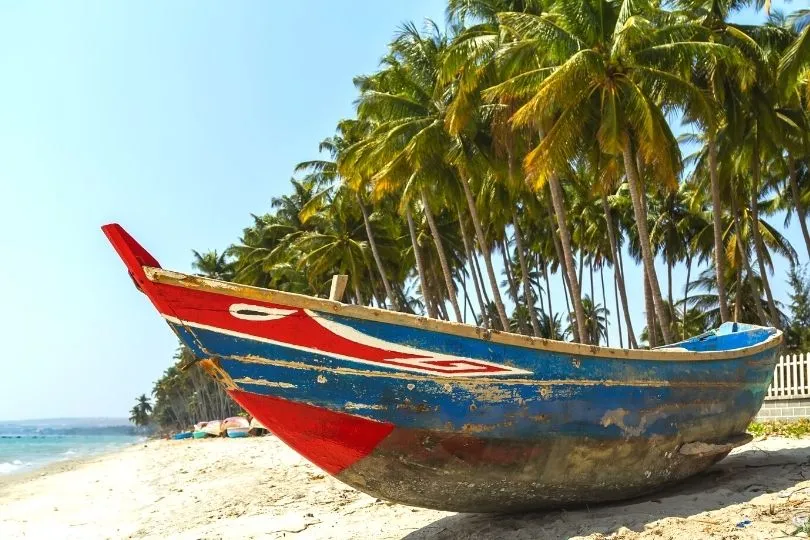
x,y
210,428
450,416
236,426
183,435
213,428
256,427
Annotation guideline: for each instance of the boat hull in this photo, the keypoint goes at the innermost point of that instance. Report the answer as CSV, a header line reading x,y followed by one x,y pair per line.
x,y
452,417
237,432
467,472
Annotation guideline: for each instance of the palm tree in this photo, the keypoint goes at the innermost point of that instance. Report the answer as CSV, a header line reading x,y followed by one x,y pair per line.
x,y
409,150
529,131
743,298
348,132
337,246
139,414
213,265
633,68
596,321
551,326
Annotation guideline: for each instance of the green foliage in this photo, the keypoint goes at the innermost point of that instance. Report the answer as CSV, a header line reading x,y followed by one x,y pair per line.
x,y
601,82
792,428
525,130
515,133
797,334
185,395
140,414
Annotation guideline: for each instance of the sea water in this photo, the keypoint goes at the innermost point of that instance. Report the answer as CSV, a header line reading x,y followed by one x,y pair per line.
x,y
31,444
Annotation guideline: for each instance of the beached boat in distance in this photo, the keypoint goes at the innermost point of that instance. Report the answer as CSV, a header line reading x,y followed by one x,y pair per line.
x,y
199,432
256,427
450,416
236,427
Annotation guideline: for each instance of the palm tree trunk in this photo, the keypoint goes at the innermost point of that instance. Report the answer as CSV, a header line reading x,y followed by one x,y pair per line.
x,y
669,285
377,259
604,301
749,273
512,286
568,311
441,305
507,267
738,294
437,239
616,297
644,238
467,300
357,297
558,201
594,326
470,255
717,220
797,201
479,234
528,293
548,288
420,265
759,246
581,265
435,293
480,274
652,331
617,269
686,293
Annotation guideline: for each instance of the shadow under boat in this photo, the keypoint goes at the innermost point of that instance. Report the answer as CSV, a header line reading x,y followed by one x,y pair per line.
x,y
736,480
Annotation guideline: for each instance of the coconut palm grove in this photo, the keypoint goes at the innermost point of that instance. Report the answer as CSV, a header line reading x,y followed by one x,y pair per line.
x,y
521,147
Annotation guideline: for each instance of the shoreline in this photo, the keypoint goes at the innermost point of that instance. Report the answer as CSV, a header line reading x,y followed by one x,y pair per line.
x,y
257,487
59,466
65,463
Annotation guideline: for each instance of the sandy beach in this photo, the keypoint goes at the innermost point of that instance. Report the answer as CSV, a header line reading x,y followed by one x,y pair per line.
x,y
259,488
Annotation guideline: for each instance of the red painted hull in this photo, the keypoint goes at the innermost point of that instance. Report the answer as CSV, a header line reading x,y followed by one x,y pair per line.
x,y
331,440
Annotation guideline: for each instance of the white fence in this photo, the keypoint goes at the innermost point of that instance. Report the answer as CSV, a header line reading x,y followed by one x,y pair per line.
x,y
790,378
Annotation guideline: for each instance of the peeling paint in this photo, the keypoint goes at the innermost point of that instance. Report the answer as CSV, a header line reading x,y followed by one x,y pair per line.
x,y
262,382
359,406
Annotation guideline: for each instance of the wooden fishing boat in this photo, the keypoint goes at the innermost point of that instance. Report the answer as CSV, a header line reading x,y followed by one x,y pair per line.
x,y
450,416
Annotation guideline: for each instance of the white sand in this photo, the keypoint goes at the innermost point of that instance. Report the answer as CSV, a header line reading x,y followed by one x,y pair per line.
x,y
258,488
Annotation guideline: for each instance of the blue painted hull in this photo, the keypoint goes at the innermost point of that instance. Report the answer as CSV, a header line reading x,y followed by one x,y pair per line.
x,y
568,396
576,430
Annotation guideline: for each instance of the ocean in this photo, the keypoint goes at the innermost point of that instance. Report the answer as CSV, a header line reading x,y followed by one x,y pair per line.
x,y
29,444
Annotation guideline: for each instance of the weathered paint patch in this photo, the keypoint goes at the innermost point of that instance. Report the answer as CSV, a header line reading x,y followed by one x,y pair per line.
x,y
263,382
349,406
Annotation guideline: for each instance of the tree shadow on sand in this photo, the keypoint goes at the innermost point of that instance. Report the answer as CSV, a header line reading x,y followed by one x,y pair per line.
x,y
737,479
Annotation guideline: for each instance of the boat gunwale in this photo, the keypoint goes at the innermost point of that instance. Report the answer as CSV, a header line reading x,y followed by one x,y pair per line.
x,y
301,301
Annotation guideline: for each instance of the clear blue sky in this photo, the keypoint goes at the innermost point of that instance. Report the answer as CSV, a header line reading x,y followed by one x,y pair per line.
x,y
176,120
